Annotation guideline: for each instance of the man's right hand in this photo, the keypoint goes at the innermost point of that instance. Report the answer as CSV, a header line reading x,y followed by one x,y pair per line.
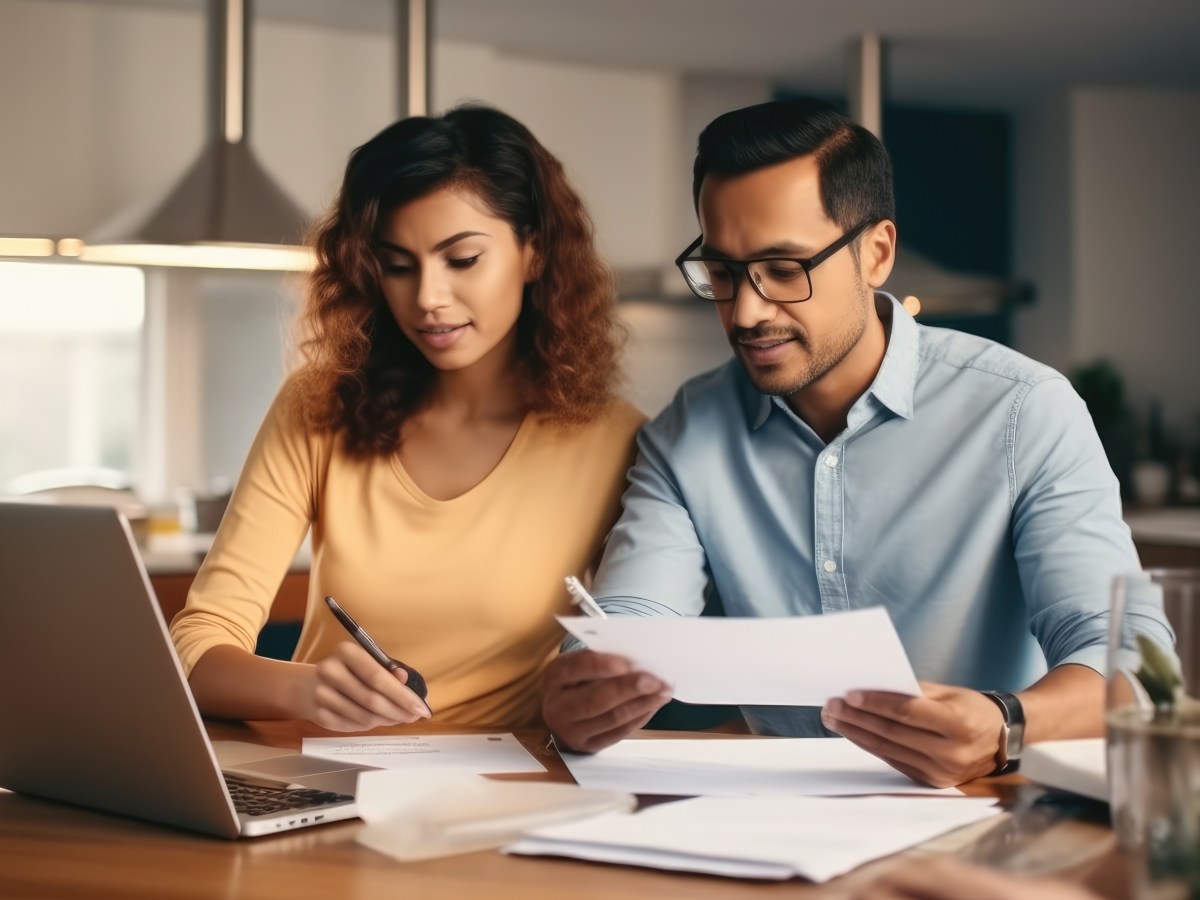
x,y
592,700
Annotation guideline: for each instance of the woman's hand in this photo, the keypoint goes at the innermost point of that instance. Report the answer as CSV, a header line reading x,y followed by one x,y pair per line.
x,y
350,691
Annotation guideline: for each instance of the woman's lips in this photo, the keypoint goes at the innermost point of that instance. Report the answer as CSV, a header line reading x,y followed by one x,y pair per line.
x,y
442,336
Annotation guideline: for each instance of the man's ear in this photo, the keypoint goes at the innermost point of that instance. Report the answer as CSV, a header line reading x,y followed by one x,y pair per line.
x,y
877,253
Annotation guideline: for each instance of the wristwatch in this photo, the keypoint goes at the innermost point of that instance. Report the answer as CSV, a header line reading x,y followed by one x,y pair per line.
x,y
1012,733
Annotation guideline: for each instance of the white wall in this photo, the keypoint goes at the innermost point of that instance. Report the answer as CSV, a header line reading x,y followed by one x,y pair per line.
x,y
1106,225
616,132
104,105
1042,230
82,131
1135,226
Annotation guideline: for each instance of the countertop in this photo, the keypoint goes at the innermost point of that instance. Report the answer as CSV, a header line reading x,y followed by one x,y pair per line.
x,y
182,552
1176,526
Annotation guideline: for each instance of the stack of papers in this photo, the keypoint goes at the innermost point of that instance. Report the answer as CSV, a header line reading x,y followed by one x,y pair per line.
x,y
1078,766
729,767
759,837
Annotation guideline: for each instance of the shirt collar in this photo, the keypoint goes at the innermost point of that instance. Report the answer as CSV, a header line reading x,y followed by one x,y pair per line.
x,y
894,384
896,381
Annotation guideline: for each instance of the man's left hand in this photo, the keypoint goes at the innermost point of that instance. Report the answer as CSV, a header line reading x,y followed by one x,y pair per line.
x,y
944,737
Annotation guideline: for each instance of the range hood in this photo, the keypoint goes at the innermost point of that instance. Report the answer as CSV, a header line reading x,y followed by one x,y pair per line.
x,y
226,211
917,280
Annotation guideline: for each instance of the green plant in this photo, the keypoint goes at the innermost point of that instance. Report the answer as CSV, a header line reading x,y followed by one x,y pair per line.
x,y
1161,678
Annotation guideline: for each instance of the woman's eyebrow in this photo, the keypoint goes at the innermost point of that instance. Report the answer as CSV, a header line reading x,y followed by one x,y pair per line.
x,y
455,238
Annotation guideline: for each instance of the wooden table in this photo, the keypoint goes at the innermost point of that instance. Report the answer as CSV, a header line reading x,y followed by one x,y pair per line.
x,y
52,850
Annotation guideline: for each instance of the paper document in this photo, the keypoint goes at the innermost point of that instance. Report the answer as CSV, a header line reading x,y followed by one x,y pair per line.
x,y
441,813
473,754
1079,766
793,661
760,837
738,766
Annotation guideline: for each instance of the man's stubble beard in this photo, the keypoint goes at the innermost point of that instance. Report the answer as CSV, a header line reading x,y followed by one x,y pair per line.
x,y
820,360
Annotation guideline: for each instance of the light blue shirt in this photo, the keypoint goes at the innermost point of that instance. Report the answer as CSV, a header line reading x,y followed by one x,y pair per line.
x,y
968,494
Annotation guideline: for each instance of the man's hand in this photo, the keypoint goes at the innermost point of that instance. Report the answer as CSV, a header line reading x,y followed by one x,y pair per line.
x,y
944,737
592,700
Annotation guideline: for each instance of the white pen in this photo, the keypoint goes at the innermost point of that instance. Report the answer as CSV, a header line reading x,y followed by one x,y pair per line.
x,y
581,598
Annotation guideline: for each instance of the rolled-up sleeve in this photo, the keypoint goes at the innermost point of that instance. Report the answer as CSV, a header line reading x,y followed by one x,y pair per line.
x,y
1069,538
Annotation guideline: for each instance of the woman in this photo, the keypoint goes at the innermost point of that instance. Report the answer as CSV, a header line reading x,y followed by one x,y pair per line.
x,y
452,438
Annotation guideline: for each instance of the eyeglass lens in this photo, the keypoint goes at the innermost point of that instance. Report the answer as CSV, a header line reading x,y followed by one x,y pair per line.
x,y
781,280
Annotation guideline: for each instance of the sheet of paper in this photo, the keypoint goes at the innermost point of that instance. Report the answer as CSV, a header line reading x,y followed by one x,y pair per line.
x,y
474,754
793,661
739,766
760,837
1079,765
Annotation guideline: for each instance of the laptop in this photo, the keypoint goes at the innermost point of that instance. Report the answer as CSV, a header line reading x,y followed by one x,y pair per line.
x,y
94,707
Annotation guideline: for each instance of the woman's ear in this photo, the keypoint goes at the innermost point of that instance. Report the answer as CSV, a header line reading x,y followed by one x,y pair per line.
x,y
877,254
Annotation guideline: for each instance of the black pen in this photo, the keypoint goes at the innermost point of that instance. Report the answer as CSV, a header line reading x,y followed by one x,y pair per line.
x,y
415,682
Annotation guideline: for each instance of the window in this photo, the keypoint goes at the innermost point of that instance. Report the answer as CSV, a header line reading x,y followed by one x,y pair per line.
x,y
70,365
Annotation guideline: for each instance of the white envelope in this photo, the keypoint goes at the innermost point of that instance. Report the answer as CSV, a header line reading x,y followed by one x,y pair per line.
x,y
421,816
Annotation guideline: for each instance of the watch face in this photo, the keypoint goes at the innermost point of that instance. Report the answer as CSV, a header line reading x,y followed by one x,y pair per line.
x,y
1016,740
1013,737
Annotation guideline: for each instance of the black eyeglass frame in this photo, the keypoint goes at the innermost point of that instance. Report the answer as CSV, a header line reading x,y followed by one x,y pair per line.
x,y
739,267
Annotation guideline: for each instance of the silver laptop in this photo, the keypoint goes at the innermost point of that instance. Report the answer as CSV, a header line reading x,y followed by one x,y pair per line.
x,y
94,707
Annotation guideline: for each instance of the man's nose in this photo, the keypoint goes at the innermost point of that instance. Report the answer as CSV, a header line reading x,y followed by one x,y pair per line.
x,y
749,309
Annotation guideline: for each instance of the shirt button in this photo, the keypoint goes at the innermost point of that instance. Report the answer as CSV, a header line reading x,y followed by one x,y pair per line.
x,y
829,565
831,459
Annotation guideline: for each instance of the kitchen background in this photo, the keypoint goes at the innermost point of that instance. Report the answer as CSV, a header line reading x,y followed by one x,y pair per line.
x,y
1048,149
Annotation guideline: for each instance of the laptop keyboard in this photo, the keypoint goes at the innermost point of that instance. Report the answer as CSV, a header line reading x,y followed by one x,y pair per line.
x,y
259,797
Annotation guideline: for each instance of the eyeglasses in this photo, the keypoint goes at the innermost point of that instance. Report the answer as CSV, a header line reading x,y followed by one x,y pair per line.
x,y
778,279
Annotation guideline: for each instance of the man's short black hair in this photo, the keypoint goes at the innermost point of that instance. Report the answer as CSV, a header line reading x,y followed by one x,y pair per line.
x,y
855,171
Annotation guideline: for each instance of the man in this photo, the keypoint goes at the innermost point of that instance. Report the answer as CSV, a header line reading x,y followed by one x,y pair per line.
x,y
848,457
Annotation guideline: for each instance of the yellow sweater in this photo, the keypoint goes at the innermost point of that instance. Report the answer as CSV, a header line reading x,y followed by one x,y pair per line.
x,y
464,590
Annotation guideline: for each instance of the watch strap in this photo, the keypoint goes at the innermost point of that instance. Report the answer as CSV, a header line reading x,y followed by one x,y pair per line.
x,y
1012,734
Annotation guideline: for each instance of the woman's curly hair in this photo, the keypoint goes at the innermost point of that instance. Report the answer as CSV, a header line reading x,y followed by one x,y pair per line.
x,y
360,375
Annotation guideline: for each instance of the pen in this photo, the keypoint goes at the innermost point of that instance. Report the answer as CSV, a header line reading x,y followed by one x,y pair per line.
x,y
415,683
581,598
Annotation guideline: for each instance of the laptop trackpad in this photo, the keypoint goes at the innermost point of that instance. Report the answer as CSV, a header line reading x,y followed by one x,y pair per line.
x,y
273,763
343,782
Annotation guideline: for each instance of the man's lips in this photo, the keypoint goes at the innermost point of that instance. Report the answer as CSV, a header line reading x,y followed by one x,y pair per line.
x,y
766,343
765,349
